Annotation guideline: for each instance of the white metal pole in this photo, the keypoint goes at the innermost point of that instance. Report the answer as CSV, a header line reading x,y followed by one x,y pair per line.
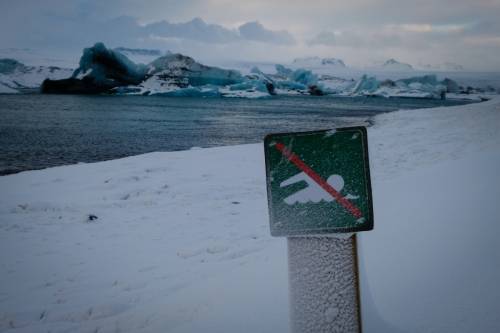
x,y
324,291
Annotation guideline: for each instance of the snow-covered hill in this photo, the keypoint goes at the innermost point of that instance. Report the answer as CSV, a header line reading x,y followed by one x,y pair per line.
x,y
16,77
394,65
314,62
445,67
179,241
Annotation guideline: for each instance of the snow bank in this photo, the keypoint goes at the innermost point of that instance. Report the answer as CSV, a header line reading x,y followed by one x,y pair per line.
x,y
179,241
177,246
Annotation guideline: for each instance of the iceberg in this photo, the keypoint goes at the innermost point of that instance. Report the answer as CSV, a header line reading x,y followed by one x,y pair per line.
x,y
299,81
283,71
100,70
109,67
103,70
205,91
304,76
184,68
335,85
366,85
426,86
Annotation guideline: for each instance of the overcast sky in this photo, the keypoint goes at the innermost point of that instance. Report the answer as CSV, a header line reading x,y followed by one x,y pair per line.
x,y
359,32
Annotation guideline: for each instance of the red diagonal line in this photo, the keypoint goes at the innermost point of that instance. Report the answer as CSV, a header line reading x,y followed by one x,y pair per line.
x,y
320,181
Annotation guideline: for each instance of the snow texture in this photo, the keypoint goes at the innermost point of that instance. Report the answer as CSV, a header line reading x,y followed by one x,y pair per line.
x,y
16,77
179,241
323,285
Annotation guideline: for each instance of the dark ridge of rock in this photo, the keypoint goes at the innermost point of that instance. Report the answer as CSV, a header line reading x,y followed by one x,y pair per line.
x,y
85,86
314,90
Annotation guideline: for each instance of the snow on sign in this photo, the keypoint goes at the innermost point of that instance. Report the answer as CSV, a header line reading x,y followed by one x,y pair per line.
x,y
318,182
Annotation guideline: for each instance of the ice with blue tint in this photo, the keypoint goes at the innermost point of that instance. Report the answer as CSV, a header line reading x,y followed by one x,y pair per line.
x,y
104,65
207,91
295,80
290,85
283,71
177,66
104,70
304,76
426,86
256,85
8,66
256,70
366,85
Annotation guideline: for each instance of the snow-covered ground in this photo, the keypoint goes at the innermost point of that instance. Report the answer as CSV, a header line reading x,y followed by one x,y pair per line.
x,y
181,240
16,77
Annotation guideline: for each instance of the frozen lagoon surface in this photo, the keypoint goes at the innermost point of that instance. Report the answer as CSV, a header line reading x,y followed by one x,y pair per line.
x,y
40,131
182,244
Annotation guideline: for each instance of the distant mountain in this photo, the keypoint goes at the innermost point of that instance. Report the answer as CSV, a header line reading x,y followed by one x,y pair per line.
x,y
318,62
17,77
446,67
394,65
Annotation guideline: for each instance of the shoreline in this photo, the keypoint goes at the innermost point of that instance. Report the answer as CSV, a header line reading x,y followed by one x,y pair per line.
x,y
63,130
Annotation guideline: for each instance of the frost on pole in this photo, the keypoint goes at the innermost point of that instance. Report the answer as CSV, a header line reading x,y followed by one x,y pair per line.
x,y
318,182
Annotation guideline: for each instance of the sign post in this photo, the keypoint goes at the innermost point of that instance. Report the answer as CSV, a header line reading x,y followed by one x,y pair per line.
x,y
319,195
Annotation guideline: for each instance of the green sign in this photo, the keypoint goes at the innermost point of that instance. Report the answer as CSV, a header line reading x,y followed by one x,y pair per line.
x,y
318,182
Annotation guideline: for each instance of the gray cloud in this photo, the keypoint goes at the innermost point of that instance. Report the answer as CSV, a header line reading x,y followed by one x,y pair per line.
x,y
195,29
257,32
323,38
80,30
414,31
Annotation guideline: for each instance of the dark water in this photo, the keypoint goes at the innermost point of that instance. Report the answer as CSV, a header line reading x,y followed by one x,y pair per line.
x,y
39,131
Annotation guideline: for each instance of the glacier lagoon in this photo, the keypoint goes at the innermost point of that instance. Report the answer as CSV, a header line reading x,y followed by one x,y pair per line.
x,y
40,131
